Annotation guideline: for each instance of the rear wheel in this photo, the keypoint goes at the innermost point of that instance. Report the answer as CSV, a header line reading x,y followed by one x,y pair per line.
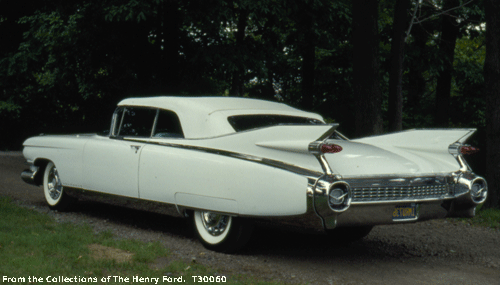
x,y
220,232
54,190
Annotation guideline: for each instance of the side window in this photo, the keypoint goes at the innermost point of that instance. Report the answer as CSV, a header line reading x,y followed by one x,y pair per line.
x,y
168,125
137,122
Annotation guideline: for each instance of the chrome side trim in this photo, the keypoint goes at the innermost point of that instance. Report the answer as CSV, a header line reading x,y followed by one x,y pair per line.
x,y
122,201
266,161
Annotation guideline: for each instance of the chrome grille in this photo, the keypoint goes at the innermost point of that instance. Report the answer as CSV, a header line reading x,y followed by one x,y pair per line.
x,y
389,190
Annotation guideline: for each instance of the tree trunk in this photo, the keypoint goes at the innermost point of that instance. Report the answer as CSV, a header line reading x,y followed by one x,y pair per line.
x,y
237,80
367,95
397,57
449,34
170,30
308,58
492,89
416,80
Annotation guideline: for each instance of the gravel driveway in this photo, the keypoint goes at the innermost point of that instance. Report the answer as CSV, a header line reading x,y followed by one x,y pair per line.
x,y
436,252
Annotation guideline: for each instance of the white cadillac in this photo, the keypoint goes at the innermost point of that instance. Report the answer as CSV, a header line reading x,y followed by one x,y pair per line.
x,y
224,162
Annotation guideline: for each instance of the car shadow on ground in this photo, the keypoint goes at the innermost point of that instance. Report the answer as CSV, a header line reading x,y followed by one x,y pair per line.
x,y
131,217
266,240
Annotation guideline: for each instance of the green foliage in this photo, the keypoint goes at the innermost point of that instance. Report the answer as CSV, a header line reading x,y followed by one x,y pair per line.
x,y
468,83
75,60
9,107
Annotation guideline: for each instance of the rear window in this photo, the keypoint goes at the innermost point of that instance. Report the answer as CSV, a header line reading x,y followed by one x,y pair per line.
x,y
248,122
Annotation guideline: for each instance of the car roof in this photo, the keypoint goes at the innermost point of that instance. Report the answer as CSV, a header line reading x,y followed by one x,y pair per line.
x,y
203,117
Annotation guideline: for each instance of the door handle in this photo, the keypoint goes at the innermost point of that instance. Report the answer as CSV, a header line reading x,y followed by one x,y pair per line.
x,y
136,147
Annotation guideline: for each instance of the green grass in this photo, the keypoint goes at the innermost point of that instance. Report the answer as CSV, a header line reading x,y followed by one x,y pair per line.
x,y
33,245
487,218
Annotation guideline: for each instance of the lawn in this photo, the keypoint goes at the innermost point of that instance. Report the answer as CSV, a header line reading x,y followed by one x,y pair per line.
x,y
35,249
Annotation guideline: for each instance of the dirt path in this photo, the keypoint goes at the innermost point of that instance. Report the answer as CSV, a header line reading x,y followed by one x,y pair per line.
x,y
436,252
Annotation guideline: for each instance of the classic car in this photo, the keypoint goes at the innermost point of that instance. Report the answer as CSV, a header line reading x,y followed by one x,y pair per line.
x,y
227,162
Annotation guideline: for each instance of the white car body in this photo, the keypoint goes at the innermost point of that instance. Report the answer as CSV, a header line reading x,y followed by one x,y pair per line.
x,y
273,172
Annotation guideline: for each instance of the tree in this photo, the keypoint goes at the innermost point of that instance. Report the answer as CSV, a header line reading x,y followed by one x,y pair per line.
x,y
308,52
238,75
78,56
367,95
492,89
167,30
449,35
395,112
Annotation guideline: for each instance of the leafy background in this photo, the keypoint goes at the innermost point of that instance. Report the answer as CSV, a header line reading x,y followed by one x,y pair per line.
x,y
65,64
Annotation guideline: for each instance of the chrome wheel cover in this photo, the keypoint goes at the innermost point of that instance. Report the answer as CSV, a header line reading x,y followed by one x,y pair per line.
x,y
54,184
215,224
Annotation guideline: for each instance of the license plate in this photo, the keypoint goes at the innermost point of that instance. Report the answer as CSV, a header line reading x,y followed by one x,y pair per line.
x,y
405,212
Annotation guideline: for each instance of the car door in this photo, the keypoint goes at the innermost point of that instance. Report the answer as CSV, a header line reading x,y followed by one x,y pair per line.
x,y
111,164
161,168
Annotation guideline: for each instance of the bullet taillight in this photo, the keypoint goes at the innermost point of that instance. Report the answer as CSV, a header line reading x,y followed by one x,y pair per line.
x,y
330,148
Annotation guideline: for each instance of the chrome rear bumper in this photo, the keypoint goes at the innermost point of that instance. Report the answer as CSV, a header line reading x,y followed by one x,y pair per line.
x,y
382,214
372,201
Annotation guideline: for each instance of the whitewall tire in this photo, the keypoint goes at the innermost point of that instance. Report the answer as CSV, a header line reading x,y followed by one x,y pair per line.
x,y
221,232
54,190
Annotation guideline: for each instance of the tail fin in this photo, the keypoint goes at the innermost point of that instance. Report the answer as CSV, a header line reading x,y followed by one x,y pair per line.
x,y
423,139
294,138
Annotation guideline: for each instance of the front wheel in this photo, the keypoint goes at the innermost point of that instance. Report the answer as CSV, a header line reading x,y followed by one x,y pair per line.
x,y
54,190
222,233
